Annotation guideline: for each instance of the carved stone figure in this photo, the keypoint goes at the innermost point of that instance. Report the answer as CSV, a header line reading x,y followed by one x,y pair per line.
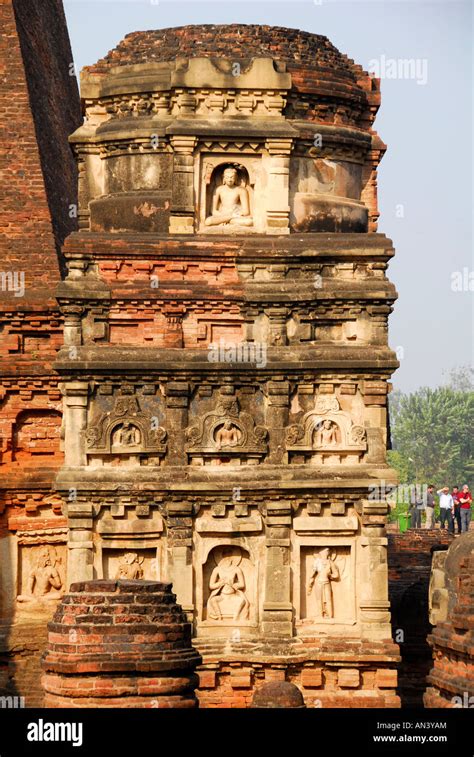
x,y
230,203
228,582
130,567
44,580
228,435
129,435
326,436
324,570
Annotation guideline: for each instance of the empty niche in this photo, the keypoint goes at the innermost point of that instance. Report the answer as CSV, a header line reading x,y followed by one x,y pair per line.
x,y
229,586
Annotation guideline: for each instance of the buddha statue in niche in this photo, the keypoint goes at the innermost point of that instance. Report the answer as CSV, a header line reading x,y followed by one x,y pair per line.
x,y
230,203
327,434
228,435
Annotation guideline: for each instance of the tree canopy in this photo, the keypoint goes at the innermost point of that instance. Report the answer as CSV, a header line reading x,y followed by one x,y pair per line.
x,y
432,432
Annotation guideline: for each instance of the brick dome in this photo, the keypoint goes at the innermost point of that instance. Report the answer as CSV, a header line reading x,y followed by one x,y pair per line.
x,y
303,53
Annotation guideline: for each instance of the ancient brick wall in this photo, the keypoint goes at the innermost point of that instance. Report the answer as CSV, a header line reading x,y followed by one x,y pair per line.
x,y
450,683
409,566
39,108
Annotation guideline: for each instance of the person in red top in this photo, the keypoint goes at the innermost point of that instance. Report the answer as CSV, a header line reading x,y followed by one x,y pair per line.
x,y
457,507
465,500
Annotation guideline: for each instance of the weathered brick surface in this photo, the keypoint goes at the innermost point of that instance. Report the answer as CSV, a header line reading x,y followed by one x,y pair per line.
x,y
39,108
119,644
451,678
409,566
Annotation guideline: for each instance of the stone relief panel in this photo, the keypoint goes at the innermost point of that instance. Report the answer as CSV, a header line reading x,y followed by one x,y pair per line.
x,y
326,435
129,547
226,435
41,573
130,565
229,587
127,435
326,594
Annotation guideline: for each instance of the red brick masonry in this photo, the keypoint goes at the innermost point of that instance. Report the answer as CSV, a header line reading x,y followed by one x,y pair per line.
x,y
120,644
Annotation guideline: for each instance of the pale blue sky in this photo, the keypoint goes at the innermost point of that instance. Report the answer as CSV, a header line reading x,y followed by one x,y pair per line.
x,y
428,167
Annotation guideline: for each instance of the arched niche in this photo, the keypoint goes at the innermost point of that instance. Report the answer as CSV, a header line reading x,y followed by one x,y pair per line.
x,y
249,176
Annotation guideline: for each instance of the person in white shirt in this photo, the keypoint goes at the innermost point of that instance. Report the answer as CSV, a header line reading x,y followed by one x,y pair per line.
x,y
446,508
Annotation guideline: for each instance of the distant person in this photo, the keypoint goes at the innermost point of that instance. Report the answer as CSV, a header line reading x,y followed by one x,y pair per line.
x,y
457,508
430,506
446,507
465,499
416,507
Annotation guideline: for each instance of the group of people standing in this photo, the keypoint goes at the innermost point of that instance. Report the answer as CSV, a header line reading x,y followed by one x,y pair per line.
x,y
454,508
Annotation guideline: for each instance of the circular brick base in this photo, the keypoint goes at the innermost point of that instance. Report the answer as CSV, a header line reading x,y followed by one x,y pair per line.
x,y
120,644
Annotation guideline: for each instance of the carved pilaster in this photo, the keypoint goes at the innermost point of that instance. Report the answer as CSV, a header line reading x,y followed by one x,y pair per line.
x,y
75,420
373,579
182,197
278,209
277,607
277,419
80,544
176,421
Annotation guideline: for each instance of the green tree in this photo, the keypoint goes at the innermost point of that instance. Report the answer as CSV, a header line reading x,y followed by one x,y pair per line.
x,y
432,436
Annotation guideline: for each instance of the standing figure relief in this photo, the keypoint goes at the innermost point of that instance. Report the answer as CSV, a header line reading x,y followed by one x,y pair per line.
x,y
323,571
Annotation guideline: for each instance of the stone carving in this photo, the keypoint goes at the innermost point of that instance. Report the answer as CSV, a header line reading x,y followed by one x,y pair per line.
x,y
128,435
327,431
227,599
323,571
228,435
230,202
327,434
226,429
130,566
125,427
326,404
44,579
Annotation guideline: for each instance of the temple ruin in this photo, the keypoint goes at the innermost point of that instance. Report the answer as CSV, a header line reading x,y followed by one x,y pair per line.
x,y
219,301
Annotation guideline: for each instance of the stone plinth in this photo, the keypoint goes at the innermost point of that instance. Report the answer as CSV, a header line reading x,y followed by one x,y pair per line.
x,y
120,644
451,679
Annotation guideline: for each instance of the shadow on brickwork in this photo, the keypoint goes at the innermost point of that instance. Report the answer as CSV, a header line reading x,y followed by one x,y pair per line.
x,y
409,563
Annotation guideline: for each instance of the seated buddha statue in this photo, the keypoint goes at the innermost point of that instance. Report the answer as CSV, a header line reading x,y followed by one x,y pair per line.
x,y
230,203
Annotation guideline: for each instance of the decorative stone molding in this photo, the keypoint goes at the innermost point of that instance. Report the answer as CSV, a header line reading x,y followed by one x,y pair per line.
x,y
226,432
126,430
327,434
